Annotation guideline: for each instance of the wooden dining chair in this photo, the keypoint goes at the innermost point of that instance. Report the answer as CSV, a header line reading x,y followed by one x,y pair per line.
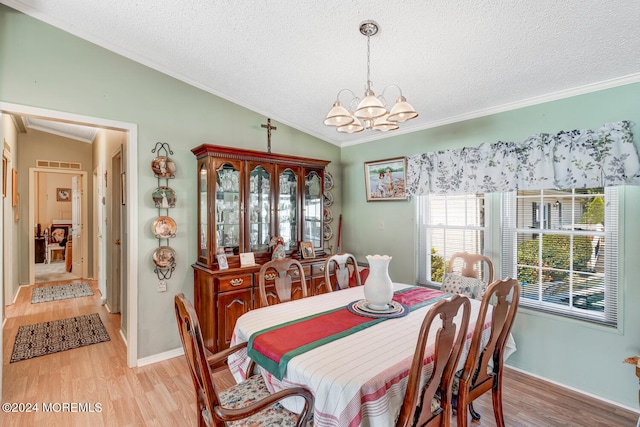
x,y
248,403
429,405
482,371
345,270
463,275
284,287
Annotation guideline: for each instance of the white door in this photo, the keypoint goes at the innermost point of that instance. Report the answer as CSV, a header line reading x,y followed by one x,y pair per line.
x,y
77,226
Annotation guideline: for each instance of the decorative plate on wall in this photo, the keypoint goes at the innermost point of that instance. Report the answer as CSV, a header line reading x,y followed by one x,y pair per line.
x,y
163,167
328,232
328,198
164,227
328,181
164,197
164,256
328,216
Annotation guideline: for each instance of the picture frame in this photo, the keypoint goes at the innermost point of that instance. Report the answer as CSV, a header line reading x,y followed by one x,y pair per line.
x,y
386,179
63,194
223,263
306,248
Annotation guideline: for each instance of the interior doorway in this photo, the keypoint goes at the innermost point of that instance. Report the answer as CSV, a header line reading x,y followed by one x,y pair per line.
x,y
129,267
57,221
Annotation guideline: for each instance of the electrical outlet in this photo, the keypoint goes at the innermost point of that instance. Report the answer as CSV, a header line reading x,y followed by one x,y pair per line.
x,y
162,286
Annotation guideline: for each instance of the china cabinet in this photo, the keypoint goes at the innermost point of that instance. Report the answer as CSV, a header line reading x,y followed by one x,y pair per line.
x,y
246,198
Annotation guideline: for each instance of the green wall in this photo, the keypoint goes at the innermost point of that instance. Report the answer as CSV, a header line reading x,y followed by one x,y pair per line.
x,y
577,354
42,66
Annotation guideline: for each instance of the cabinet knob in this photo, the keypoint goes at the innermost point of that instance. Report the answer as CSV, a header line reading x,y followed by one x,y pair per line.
x,y
322,267
236,282
270,276
296,273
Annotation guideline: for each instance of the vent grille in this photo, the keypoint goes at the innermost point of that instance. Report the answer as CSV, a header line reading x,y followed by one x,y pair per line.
x,y
58,165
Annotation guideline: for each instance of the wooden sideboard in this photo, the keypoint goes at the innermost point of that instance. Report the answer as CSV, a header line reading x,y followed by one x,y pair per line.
x,y
222,296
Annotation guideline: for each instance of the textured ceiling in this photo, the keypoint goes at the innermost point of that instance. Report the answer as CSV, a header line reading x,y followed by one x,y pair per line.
x,y
287,60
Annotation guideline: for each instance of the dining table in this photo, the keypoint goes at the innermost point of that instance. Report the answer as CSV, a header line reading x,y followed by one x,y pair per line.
x,y
355,361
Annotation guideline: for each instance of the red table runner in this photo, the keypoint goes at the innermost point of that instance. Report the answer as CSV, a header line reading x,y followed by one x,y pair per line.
x,y
272,348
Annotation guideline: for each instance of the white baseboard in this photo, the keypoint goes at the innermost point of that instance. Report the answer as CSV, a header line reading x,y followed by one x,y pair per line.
x,y
160,357
611,402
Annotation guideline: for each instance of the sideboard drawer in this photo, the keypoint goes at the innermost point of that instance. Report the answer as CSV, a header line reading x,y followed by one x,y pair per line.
x,y
317,270
229,283
295,273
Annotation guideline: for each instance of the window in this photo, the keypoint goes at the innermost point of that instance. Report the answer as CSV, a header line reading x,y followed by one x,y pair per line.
x,y
562,247
448,224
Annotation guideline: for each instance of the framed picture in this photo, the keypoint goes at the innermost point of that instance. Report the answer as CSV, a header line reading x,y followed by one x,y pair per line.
x,y
223,264
307,250
385,179
63,194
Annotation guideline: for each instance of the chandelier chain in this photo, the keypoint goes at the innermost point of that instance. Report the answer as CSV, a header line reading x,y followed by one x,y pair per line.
x,y
368,63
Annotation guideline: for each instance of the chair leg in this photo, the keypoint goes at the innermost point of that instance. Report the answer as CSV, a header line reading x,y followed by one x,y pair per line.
x,y
461,409
476,416
496,397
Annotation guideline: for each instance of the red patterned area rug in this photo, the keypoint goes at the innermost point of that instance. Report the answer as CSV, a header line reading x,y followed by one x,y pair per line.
x,y
58,292
58,335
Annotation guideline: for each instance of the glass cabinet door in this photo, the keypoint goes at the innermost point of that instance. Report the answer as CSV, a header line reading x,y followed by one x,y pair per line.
x,y
228,213
288,208
313,198
259,209
203,214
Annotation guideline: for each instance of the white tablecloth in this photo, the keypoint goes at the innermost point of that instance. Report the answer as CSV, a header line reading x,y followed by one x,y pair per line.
x,y
356,380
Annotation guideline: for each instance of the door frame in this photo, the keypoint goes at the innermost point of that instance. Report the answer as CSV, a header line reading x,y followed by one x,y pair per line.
x,y
131,208
32,219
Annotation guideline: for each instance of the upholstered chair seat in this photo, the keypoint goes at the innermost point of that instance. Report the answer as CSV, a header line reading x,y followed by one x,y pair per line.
x,y
250,391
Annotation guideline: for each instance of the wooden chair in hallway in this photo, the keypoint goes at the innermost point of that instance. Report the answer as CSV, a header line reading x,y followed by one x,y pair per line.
x,y
430,405
248,403
483,369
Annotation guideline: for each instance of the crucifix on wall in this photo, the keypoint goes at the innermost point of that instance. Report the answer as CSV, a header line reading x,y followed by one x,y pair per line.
x,y
269,128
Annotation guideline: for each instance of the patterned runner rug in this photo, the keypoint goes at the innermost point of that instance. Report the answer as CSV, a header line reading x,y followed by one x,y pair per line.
x,y
58,335
58,292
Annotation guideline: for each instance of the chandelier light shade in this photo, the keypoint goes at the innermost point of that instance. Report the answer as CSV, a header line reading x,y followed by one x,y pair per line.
x,y
370,112
338,115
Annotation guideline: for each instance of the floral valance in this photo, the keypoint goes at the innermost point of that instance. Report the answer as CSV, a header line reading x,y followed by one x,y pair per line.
x,y
575,159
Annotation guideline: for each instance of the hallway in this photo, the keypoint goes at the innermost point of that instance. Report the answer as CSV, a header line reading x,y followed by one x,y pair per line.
x,y
52,272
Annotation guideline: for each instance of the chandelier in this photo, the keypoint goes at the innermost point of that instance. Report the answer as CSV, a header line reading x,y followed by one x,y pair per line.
x,y
371,112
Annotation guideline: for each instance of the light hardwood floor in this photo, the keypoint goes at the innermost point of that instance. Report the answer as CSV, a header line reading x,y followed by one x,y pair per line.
x,y
162,394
